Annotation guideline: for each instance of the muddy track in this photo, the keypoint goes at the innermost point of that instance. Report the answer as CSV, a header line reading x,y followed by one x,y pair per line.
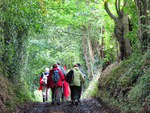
x,y
86,106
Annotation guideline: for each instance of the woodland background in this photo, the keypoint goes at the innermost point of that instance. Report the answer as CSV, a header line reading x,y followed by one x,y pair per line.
x,y
97,33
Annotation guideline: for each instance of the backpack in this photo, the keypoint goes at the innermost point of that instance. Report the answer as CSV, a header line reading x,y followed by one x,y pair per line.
x,y
69,76
55,76
44,79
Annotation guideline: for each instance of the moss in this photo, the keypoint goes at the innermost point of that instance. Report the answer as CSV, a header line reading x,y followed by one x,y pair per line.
x,y
132,76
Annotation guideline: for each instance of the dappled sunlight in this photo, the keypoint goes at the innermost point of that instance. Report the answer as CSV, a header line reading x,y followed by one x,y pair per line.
x,y
92,89
38,95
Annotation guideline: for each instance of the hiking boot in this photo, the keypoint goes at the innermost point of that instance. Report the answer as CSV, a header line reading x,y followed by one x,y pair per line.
x,y
62,97
58,103
43,99
76,102
68,101
79,101
72,102
46,99
52,103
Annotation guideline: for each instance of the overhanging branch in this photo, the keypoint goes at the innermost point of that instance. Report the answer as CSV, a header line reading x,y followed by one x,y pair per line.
x,y
108,11
71,33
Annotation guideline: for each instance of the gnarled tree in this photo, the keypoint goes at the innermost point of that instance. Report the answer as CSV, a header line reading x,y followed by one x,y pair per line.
x,y
121,28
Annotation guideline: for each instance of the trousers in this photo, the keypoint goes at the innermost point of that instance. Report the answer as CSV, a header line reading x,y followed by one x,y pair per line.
x,y
56,93
75,92
45,92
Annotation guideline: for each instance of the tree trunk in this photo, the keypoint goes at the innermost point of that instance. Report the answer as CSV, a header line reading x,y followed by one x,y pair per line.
x,y
89,43
101,49
120,29
85,56
1,44
117,53
139,19
143,21
125,21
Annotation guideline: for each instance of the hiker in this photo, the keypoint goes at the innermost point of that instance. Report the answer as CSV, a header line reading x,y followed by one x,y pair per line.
x,y
82,84
61,68
75,85
55,85
79,66
43,84
65,85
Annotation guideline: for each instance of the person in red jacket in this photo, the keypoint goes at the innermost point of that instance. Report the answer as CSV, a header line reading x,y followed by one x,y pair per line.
x,y
56,87
43,87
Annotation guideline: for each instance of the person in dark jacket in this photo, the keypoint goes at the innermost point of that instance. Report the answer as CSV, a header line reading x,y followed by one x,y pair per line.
x,y
56,88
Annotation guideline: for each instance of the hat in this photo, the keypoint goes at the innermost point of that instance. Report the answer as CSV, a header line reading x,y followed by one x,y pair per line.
x,y
79,64
59,63
47,70
75,65
55,65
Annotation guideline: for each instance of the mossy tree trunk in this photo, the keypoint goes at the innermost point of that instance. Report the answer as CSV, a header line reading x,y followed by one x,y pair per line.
x,y
120,29
85,54
89,43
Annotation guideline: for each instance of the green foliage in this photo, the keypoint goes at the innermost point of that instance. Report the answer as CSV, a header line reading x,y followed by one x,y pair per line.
x,y
92,89
37,33
24,18
140,91
51,48
38,96
131,10
18,18
133,77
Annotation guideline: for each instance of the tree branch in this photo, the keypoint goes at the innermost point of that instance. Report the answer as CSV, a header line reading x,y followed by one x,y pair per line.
x,y
71,33
108,11
118,8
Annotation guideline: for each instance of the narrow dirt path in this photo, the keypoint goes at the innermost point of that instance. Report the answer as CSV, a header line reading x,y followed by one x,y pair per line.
x,y
86,106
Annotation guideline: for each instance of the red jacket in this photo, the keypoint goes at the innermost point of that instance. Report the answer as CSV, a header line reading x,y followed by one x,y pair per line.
x,y
50,83
40,87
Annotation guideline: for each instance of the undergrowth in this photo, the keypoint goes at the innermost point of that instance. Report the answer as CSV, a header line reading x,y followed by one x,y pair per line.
x,y
127,85
92,89
11,95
